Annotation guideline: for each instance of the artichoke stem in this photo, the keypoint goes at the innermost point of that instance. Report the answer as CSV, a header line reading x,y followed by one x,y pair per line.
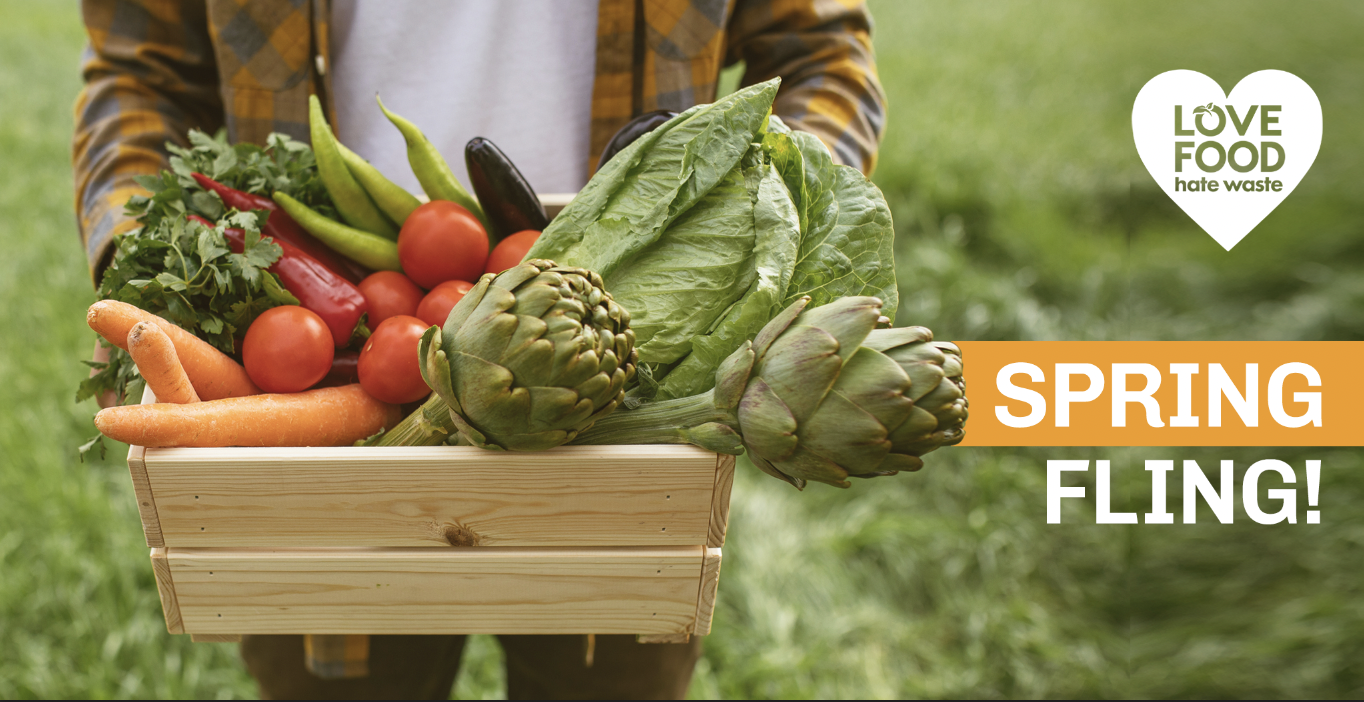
x,y
427,426
663,422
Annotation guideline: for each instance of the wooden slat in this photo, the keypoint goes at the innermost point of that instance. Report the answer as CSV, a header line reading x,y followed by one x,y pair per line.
x,y
719,500
433,496
215,638
165,586
146,504
710,583
437,591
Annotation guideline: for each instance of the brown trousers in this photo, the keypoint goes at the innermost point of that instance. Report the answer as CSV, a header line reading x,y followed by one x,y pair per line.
x,y
538,667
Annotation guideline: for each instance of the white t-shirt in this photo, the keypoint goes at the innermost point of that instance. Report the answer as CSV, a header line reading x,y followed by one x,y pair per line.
x,y
518,72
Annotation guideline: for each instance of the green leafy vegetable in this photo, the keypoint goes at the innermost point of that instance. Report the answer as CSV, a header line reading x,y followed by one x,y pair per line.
x,y
708,226
643,189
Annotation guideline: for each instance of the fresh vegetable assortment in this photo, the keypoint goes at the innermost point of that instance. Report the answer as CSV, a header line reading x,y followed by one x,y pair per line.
x,y
719,281
339,303
214,374
279,226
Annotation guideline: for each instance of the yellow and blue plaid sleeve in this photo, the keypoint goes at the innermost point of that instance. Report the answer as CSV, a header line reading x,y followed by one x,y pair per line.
x,y
149,77
822,50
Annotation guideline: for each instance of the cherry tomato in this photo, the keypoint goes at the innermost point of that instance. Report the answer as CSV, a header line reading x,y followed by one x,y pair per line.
x,y
287,349
388,362
436,306
389,294
511,250
442,241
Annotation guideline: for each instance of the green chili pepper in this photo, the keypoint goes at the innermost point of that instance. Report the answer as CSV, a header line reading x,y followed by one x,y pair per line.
x,y
369,250
437,180
392,199
350,198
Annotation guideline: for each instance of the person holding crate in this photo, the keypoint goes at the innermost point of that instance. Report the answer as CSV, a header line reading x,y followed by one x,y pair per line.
x,y
550,82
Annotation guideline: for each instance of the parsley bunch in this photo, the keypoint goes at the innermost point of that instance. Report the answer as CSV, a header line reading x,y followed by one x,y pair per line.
x,y
282,165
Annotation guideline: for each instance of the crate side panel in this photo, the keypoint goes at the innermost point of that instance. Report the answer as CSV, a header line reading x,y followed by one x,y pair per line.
x,y
165,587
142,490
719,507
433,496
426,591
710,584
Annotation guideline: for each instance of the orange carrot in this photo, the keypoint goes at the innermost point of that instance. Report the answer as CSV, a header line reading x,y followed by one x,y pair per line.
x,y
337,416
159,365
214,374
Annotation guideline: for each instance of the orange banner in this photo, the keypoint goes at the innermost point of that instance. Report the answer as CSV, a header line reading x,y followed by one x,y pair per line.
x,y
1164,393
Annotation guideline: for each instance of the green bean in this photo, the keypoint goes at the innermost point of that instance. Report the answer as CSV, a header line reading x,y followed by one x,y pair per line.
x,y
350,198
369,250
437,180
392,199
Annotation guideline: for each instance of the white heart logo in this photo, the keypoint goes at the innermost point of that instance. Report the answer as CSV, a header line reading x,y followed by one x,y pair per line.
x,y
1227,160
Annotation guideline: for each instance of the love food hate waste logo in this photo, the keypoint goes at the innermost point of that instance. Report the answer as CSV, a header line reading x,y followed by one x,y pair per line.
x,y
1227,160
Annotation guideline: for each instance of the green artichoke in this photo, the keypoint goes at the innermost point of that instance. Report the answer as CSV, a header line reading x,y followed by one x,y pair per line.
x,y
527,360
817,395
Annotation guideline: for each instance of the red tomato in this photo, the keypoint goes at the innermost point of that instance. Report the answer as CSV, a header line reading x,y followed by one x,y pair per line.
x,y
389,294
388,362
511,250
287,349
436,306
442,241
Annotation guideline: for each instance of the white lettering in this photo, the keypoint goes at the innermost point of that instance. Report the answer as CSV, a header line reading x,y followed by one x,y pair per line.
x,y
1004,381
1054,489
1220,386
1250,498
1219,500
1313,399
1065,396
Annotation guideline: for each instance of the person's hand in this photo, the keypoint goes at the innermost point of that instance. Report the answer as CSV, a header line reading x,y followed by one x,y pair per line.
x,y
109,398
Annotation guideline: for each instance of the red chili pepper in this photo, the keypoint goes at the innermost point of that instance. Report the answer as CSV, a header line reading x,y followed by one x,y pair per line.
x,y
282,228
334,299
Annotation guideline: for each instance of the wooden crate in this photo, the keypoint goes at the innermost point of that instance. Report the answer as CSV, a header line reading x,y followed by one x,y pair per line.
x,y
435,540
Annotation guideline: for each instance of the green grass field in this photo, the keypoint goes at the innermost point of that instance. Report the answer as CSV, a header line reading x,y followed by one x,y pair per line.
x,y
1022,212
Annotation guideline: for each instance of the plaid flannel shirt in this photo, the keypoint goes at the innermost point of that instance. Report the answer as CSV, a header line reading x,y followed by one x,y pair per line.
x,y
154,69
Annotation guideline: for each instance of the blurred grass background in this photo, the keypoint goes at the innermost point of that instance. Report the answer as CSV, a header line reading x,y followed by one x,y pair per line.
x,y
1022,212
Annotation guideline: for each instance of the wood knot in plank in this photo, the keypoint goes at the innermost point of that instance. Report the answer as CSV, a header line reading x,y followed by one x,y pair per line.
x,y
460,535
